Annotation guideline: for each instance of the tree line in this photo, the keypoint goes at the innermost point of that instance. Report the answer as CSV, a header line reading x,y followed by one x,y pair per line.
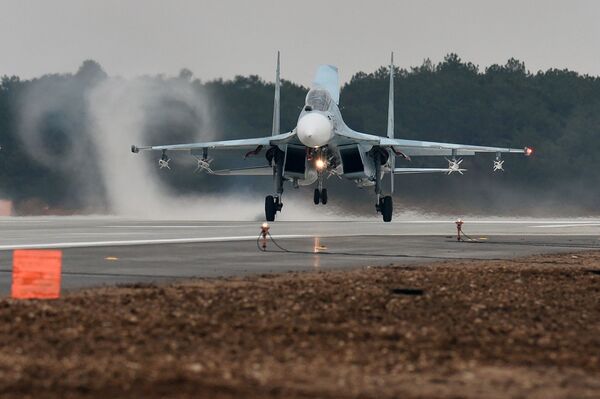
x,y
555,111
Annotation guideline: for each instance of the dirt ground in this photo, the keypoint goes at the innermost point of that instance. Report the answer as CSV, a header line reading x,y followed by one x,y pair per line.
x,y
528,328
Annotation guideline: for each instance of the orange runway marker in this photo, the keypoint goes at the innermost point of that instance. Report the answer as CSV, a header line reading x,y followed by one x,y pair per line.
x,y
36,274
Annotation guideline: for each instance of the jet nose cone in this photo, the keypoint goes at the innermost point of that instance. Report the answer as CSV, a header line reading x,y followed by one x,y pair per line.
x,y
314,130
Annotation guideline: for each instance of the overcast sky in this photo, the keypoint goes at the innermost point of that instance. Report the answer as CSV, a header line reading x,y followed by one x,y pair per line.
x,y
221,38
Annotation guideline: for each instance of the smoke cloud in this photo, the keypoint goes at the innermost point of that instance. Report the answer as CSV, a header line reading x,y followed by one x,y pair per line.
x,y
120,113
84,130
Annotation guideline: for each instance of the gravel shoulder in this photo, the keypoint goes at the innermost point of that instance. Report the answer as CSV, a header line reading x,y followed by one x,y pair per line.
x,y
527,327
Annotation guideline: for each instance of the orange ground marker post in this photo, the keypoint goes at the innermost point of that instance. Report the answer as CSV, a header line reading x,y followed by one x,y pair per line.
x,y
36,274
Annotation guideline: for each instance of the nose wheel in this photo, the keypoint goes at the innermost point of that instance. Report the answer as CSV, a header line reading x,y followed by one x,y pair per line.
x,y
320,196
386,208
272,206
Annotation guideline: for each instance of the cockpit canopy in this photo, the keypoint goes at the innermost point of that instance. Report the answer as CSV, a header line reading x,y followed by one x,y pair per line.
x,y
318,100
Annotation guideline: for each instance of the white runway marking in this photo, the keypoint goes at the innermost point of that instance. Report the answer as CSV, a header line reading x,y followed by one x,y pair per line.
x,y
84,244
163,226
533,223
191,240
558,226
19,221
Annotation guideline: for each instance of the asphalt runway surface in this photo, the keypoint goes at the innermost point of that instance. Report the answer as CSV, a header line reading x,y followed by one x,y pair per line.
x,y
108,250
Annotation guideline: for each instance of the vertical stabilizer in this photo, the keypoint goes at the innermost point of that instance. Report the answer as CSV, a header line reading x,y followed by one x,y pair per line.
x,y
390,125
276,105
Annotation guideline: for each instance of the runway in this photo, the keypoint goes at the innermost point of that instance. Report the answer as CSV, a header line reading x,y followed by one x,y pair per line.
x,y
110,250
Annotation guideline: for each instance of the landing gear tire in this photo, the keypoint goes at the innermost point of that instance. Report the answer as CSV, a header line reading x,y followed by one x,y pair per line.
x,y
324,196
387,208
270,208
320,196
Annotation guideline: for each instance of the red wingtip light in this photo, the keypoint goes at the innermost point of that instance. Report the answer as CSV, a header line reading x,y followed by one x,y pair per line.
x,y
528,151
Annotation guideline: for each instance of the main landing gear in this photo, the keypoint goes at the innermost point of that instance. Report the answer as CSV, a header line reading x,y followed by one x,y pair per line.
x,y
272,206
385,206
273,203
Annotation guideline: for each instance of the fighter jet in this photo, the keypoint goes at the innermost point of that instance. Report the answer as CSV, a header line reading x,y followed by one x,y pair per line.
x,y
322,145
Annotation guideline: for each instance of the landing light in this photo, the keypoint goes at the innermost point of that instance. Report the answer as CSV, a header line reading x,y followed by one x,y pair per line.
x,y
320,164
528,151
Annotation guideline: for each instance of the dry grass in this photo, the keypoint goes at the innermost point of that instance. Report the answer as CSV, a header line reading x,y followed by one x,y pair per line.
x,y
496,329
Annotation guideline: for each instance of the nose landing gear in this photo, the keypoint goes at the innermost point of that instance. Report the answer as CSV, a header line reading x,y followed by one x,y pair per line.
x,y
320,192
320,196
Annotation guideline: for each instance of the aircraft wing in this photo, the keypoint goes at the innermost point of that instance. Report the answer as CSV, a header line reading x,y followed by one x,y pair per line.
x,y
253,171
225,144
429,148
409,171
